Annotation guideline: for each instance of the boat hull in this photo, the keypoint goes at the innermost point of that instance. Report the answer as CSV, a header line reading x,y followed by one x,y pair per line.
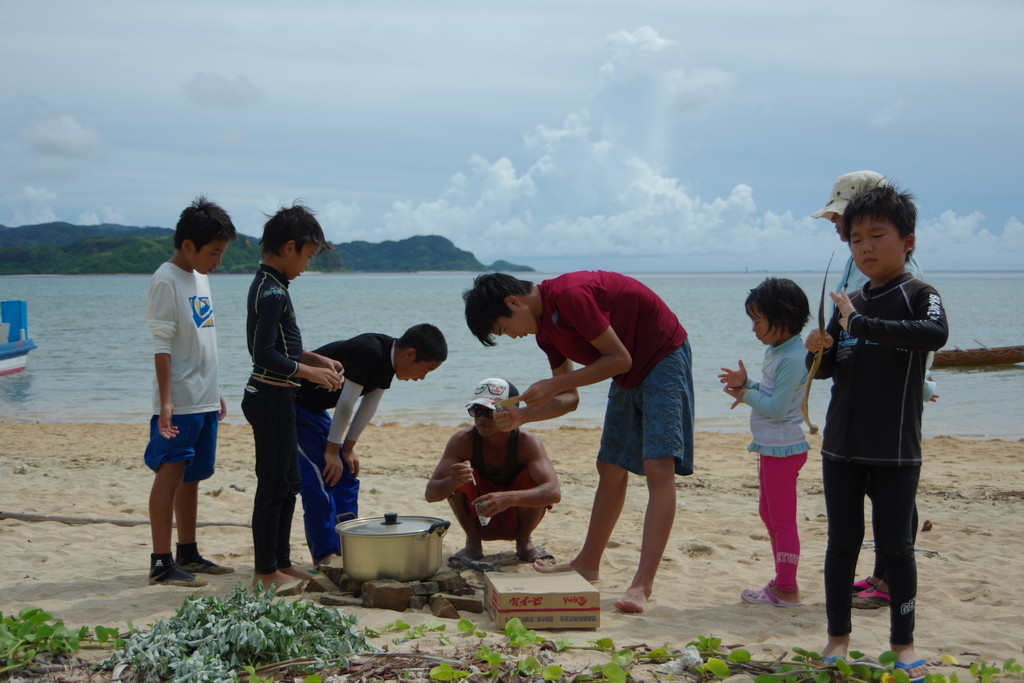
x,y
14,356
998,355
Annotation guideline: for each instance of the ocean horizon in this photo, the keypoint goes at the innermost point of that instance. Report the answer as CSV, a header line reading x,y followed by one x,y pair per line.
x,y
94,357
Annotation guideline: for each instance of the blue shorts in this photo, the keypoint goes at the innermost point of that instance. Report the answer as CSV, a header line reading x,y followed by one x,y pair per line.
x,y
653,420
196,444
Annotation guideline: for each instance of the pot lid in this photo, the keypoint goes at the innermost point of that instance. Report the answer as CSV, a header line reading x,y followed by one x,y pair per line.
x,y
391,524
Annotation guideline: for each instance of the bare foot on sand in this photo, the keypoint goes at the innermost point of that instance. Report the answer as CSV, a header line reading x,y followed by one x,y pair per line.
x,y
836,648
278,578
908,661
549,567
634,601
295,572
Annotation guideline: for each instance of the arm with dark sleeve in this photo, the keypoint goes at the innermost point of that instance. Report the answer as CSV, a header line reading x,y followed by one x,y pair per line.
x,y
928,330
269,310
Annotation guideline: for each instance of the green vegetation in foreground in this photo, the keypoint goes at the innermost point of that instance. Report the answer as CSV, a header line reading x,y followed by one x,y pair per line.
x,y
33,635
65,249
257,637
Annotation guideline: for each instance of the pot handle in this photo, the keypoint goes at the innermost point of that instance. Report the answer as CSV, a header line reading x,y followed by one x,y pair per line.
x,y
440,527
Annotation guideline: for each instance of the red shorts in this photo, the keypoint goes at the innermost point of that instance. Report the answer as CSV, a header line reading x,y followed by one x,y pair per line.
x,y
505,526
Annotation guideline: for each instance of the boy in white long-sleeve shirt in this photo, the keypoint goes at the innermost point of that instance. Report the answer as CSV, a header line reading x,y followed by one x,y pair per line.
x,y
187,404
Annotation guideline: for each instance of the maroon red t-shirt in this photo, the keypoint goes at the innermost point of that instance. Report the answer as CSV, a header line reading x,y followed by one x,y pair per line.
x,y
579,307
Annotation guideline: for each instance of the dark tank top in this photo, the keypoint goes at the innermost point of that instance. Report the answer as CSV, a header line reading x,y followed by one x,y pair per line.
x,y
509,471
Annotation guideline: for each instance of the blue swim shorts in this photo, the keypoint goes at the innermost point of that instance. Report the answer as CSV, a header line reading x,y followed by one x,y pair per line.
x,y
652,420
196,443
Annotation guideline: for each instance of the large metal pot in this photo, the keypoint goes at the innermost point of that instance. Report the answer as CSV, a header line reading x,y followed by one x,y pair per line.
x,y
404,548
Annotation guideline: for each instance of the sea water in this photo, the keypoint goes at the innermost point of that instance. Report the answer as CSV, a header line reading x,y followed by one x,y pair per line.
x,y
94,359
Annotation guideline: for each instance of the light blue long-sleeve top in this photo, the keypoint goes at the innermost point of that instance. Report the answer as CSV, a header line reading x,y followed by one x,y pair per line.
x,y
776,416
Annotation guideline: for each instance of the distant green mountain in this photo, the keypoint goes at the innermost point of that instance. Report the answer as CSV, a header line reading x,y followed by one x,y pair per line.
x,y
425,252
62,248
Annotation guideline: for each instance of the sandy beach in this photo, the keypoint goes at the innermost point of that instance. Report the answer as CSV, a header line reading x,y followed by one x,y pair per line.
x,y
970,600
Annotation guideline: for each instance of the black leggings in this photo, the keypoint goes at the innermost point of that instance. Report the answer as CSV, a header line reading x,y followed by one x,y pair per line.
x,y
880,570
892,490
270,409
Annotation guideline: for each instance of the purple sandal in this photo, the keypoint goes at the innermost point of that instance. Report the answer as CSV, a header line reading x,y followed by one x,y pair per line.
x,y
764,596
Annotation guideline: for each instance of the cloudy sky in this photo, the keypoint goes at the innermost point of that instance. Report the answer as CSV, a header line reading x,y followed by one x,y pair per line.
x,y
634,135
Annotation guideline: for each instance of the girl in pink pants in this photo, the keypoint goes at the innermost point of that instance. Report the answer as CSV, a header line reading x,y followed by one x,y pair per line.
x,y
779,310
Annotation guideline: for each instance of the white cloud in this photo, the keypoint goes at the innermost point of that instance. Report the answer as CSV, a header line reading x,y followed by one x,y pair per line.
x,y
645,86
953,242
888,114
214,90
701,139
32,205
590,189
63,136
594,191
106,215
582,195
336,218
52,145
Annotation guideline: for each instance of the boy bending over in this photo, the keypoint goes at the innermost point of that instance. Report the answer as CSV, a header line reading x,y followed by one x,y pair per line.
x,y
617,328
327,445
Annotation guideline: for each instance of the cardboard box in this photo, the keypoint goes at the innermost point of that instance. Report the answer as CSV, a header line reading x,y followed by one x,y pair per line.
x,y
542,601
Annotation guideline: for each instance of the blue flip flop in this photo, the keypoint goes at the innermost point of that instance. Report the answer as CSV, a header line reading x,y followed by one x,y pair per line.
x,y
912,665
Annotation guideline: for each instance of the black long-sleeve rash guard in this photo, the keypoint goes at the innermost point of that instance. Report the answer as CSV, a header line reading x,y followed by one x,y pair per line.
x,y
272,332
878,368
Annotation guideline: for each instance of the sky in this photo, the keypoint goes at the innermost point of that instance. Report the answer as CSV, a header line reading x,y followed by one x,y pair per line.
x,y
648,135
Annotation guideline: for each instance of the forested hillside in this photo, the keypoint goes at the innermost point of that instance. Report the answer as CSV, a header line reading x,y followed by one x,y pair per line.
x,y
62,248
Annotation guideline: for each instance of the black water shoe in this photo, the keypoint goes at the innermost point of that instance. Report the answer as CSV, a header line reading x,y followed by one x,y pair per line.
x,y
163,572
189,559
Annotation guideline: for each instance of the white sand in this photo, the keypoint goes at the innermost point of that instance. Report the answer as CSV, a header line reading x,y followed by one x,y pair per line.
x,y
971,597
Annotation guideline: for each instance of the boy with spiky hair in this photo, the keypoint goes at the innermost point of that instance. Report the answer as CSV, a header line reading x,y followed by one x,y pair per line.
x,y
187,404
291,238
877,345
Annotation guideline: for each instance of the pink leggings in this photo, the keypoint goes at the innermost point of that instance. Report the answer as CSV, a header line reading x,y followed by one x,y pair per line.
x,y
777,477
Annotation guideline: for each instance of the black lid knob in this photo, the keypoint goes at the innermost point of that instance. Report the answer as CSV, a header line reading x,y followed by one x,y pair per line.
x,y
391,518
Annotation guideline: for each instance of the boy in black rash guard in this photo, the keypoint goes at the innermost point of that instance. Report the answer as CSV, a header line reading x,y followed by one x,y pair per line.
x,y
877,346
328,462
291,238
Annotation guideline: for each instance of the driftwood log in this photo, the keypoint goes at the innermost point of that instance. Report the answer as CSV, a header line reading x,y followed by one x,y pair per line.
x,y
33,517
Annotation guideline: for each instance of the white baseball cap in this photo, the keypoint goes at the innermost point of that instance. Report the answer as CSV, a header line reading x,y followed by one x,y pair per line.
x,y
847,187
492,390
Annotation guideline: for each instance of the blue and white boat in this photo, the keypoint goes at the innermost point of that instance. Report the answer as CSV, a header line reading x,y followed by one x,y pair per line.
x,y
14,340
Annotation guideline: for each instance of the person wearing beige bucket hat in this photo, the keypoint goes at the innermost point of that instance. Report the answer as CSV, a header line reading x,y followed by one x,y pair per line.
x,y
846,187
499,484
